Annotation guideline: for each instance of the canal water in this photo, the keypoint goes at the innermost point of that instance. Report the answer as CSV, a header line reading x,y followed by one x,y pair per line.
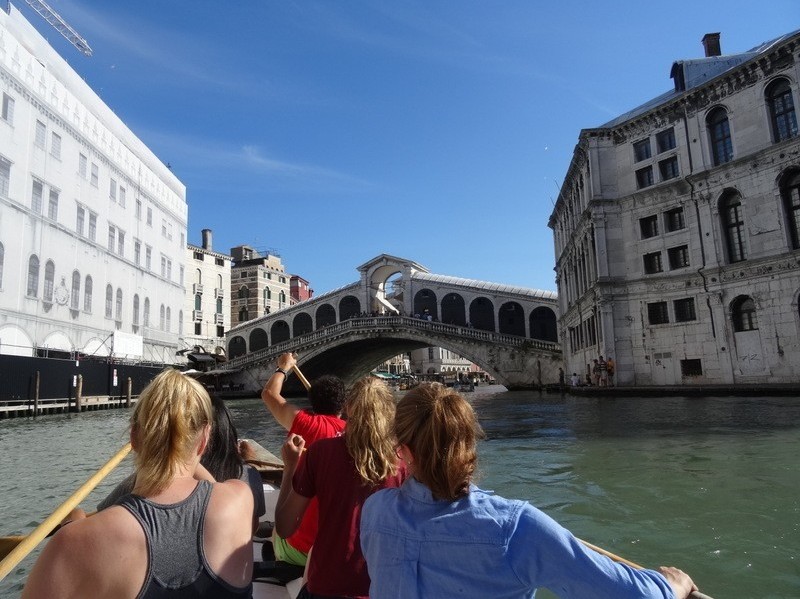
x,y
711,485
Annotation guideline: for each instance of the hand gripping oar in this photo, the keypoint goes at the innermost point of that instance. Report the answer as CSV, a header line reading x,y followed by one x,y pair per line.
x,y
27,544
635,566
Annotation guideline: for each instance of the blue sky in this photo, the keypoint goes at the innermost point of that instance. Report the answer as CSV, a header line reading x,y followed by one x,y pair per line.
x,y
438,131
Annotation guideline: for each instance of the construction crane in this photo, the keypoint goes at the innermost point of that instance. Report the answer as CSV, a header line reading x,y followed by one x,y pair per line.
x,y
60,25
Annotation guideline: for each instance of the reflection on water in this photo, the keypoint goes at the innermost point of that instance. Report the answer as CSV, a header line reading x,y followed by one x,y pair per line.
x,y
708,484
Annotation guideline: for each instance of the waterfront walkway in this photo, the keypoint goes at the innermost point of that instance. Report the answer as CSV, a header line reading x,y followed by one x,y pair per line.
x,y
761,390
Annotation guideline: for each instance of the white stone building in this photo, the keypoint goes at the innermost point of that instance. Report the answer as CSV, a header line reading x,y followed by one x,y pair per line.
x,y
92,224
207,311
677,229
437,360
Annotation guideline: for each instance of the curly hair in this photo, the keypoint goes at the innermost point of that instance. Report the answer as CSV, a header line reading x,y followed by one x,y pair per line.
x,y
327,395
441,430
169,417
368,436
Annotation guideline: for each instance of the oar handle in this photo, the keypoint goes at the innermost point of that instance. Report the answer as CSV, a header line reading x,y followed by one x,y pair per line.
x,y
302,377
634,565
40,532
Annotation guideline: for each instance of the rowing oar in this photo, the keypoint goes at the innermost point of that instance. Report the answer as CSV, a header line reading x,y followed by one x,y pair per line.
x,y
302,377
17,548
635,566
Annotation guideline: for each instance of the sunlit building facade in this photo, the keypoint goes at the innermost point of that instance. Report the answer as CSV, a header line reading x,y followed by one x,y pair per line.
x,y
677,228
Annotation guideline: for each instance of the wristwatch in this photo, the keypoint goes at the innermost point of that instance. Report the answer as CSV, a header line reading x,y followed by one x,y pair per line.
x,y
282,371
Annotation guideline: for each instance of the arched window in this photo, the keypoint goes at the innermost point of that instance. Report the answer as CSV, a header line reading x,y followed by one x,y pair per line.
x,y
719,134
49,276
219,281
136,309
198,276
180,322
219,305
198,301
733,224
267,294
743,314
790,192
168,326
146,313
109,300
75,295
33,276
781,110
282,299
162,318
87,295
244,292
118,307
2,259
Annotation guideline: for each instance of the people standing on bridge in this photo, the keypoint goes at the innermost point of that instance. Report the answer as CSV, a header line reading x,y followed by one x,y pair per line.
x,y
173,535
327,394
341,472
441,536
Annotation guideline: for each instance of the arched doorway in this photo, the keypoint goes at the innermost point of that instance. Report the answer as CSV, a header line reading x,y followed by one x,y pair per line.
x,y
326,316
543,325
301,325
512,319
453,310
481,314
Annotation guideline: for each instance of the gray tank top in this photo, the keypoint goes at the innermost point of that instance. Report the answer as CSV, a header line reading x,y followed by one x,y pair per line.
x,y
176,561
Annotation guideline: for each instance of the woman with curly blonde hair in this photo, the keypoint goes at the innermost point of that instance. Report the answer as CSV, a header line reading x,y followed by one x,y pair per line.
x,y
441,536
341,472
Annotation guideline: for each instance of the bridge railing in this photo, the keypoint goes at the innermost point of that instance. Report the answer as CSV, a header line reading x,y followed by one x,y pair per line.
x,y
386,323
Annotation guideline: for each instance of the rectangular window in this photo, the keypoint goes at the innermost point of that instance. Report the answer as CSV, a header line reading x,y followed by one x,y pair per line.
x,y
678,257
641,150
121,243
92,226
55,146
668,168
644,177
121,196
163,227
673,220
137,251
8,109
684,310
95,175
5,176
180,276
36,196
52,206
112,238
41,134
163,265
649,226
138,209
220,331
665,140
112,190
80,219
148,257
198,256
169,269
149,216
219,261
198,328
692,367
657,313
652,263
83,166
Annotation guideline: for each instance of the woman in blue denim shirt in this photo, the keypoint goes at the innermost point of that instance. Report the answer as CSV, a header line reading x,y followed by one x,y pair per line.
x,y
440,536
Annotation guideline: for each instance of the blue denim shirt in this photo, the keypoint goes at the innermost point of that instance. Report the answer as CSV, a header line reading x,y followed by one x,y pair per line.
x,y
484,546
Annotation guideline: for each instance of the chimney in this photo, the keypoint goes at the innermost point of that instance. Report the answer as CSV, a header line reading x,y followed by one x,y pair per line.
x,y
206,239
711,44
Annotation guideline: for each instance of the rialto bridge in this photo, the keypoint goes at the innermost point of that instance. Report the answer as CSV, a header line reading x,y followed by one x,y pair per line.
x,y
398,306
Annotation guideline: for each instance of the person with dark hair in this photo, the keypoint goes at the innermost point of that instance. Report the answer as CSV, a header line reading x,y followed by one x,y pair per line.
x,y
221,459
340,473
327,396
441,536
174,535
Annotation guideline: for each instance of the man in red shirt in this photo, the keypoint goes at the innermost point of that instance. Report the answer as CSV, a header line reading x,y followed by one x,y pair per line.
x,y
323,421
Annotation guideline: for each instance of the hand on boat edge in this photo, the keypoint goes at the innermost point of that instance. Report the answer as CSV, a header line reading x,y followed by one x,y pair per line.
x,y
679,580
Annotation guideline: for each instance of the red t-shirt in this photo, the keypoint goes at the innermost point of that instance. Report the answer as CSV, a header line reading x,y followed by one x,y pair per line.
x,y
312,427
337,566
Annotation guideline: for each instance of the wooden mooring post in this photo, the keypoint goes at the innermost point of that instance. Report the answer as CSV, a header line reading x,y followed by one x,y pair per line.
x,y
79,393
128,393
36,394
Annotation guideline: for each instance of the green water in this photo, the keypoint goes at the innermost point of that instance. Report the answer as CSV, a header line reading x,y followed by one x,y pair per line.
x,y
709,485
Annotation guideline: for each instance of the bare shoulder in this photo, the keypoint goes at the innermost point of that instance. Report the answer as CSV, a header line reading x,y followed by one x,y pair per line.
x,y
232,493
